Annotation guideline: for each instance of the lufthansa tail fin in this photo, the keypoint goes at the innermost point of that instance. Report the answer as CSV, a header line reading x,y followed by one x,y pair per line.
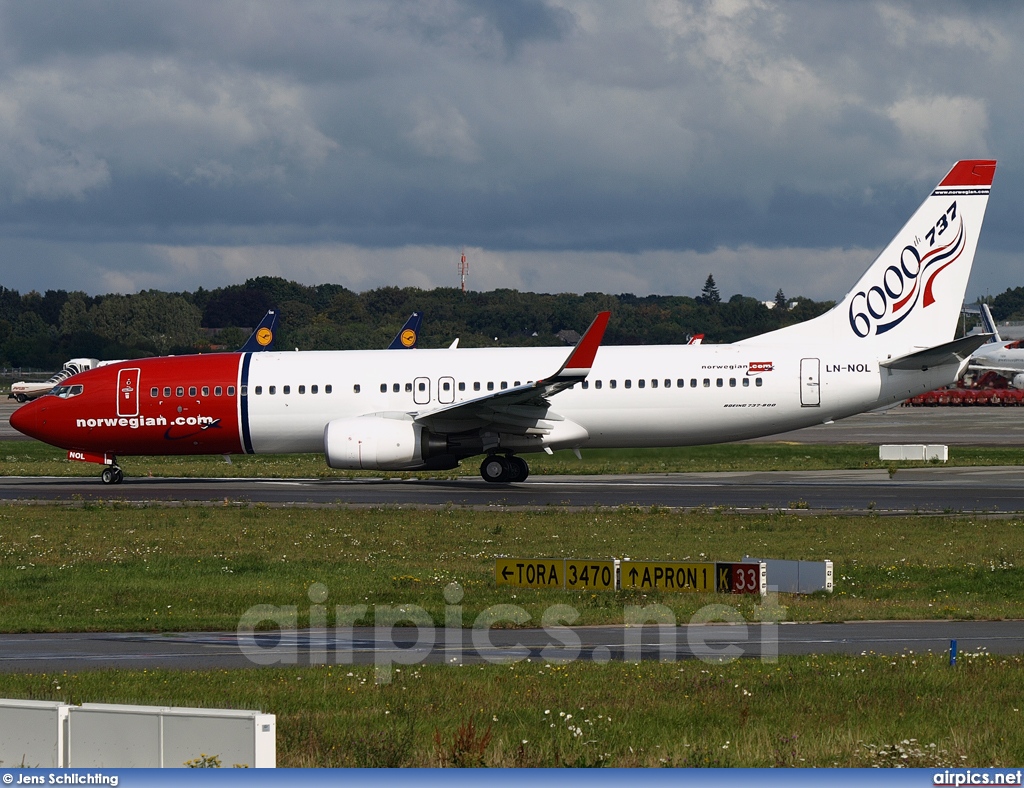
x,y
264,335
910,298
407,336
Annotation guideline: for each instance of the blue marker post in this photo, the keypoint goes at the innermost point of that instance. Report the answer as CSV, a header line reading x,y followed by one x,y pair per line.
x,y
952,653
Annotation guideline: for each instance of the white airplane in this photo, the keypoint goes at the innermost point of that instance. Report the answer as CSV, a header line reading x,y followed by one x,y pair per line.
x,y
996,355
890,338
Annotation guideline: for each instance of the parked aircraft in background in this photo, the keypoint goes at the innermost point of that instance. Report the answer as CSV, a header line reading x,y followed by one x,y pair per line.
x,y
1004,358
408,334
890,338
264,335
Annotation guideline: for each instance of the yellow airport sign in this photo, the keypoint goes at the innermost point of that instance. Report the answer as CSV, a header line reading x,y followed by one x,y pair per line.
x,y
667,576
530,572
589,575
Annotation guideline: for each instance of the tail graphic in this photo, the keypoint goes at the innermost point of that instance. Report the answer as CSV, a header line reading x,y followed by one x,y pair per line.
x,y
989,324
910,298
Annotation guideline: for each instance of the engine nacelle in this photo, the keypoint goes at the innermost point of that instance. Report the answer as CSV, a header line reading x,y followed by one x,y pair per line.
x,y
373,443
1018,381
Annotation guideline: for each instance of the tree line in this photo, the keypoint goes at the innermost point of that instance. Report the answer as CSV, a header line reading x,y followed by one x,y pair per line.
x,y
44,330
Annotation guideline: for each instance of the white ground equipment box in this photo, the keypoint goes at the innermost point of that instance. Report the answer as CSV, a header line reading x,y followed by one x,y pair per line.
x,y
913,451
797,577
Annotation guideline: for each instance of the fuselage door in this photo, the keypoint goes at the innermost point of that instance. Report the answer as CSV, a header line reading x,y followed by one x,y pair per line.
x,y
421,391
810,382
446,391
128,392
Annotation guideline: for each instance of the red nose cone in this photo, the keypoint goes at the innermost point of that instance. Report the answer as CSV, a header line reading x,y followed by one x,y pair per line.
x,y
24,419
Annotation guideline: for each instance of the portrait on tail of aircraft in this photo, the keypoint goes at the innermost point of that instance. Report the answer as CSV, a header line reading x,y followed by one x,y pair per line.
x,y
891,337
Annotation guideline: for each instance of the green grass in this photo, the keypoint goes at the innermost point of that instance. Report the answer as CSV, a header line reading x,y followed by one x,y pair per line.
x,y
122,567
31,458
801,711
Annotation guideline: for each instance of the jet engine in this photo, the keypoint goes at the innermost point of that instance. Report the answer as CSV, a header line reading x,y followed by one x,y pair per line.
x,y
1018,381
375,443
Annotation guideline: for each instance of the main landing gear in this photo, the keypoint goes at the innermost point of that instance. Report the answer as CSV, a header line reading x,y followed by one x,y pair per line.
x,y
112,474
501,470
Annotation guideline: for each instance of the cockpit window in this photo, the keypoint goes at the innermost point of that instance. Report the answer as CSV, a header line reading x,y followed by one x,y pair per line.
x,y
66,392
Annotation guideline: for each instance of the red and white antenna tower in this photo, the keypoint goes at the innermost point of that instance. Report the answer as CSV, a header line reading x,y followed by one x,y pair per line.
x,y
463,269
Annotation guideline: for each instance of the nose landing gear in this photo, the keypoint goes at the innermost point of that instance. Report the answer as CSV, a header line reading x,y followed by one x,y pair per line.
x,y
502,470
112,474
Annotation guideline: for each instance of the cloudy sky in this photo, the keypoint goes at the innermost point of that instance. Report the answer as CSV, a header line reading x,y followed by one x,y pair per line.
x,y
568,145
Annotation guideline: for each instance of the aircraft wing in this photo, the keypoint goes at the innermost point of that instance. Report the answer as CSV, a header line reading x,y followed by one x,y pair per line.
x,y
408,334
264,335
955,352
521,408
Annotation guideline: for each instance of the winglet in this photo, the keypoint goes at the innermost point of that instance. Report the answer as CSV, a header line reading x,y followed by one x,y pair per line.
x,y
582,357
406,338
264,335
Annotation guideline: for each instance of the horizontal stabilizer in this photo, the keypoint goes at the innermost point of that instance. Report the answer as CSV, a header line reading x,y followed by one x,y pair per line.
x,y
955,352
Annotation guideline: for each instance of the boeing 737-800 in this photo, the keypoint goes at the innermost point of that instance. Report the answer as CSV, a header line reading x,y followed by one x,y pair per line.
x,y
890,338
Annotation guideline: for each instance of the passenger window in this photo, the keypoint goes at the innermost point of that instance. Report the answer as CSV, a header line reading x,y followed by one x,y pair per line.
x,y
154,392
586,384
732,383
641,383
231,391
259,390
516,383
355,389
490,385
328,389
693,383
302,389
396,388
218,391
611,384
314,389
757,381
167,391
421,386
383,388
286,390
654,383
668,383
504,385
476,387
746,381
446,386
719,382
707,382
206,391
245,390
408,386
597,384
191,391
180,391
462,386
272,390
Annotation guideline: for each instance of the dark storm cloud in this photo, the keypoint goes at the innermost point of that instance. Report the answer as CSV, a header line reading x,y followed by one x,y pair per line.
x,y
569,142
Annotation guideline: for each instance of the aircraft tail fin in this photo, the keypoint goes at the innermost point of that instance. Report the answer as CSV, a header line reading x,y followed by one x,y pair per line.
x,y
407,336
988,324
911,296
264,335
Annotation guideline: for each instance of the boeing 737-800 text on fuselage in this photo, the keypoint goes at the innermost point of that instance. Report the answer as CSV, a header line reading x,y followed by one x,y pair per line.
x,y
892,337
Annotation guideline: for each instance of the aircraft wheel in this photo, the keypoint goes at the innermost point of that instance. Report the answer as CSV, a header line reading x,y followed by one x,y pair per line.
x,y
20,398
107,476
518,469
495,469
118,475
